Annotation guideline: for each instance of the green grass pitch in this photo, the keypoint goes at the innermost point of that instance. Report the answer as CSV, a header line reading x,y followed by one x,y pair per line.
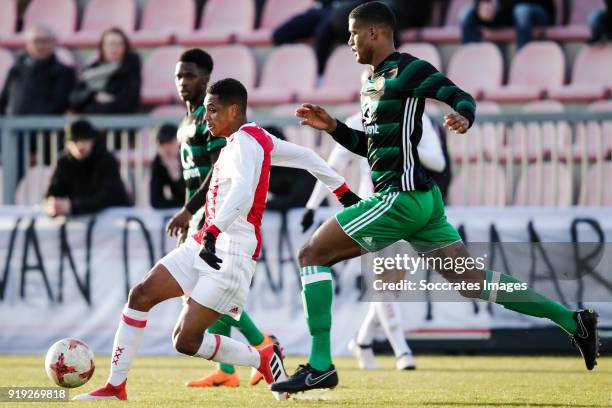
x,y
439,381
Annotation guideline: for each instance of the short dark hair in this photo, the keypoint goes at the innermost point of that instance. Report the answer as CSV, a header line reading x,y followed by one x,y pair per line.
x,y
165,133
230,90
199,57
374,12
80,129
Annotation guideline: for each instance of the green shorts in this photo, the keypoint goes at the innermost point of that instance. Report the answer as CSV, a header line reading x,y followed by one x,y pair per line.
x,y
384,218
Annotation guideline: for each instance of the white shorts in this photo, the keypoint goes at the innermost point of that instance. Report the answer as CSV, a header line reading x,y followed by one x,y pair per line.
x,y
224,291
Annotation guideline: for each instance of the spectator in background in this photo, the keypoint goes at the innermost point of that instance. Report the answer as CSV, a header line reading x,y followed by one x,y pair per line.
x,y
524,15
289,188
167,185
327,21
86,178
37,84
601,24
112,83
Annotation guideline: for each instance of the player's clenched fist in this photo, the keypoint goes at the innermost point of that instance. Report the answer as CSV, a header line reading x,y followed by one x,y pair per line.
x,y
316,117
456,123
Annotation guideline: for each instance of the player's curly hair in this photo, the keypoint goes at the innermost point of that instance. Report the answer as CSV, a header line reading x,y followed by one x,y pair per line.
x,y
199,57
374,12
230,90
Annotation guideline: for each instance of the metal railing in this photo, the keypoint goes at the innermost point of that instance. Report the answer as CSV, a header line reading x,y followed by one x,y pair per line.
x,y
501,161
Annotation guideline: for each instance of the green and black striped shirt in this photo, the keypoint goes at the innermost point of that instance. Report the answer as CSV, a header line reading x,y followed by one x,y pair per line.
x,y
392,104
197,147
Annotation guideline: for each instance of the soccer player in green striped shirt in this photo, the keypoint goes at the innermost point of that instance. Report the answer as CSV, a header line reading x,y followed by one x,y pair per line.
x,y
407,205
199,151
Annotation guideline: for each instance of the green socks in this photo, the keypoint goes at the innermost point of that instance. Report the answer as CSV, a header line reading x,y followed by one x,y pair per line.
x,y
223,329
317,295
529,302
246,326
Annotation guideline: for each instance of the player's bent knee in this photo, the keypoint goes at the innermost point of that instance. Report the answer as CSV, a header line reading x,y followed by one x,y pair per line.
x,y
186,344
310,255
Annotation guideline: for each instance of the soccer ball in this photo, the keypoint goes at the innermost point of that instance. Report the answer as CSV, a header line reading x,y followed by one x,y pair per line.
x,y
70,363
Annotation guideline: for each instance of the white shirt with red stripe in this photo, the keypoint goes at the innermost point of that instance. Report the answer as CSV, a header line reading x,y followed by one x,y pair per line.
x,y
236,198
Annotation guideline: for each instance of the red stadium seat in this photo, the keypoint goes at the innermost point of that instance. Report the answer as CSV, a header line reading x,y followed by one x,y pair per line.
x,y
578,29
162,20
169,110
479,184
275,13
8,18
545,184
425,51
234,61
591,77
477,67
100,15
341,81
32,188
288,70
66,57
451,31
6,62
222,21
596,189
158,76
540,140
59,15
594,139
535,68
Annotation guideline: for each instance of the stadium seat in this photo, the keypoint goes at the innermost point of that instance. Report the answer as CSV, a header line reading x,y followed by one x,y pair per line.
x,y
594,139
234,61
535,68
162,20
33,187
275,13
596,189
100,15
8,18
425,51
59,15
222,21
168,110
477,67
577,29
591,76
451,31
341,81
554,137
289,69
482,141
479,184
545,184
158,76
6,62
66,57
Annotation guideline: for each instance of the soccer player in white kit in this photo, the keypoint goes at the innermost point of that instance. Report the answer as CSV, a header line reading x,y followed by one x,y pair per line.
x,y
214,268
385,314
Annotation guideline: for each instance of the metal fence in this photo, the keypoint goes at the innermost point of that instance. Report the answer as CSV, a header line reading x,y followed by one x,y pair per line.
x,y
556,159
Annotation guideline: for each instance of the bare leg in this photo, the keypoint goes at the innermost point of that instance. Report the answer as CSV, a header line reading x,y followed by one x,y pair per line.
x,y
328,245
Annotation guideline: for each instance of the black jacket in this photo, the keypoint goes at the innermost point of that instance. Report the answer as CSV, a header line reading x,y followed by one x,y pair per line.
x,y
36,87
160,179
124,85
91,184
506,6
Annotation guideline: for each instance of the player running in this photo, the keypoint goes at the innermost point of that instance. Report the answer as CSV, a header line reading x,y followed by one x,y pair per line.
x,y
214,268
407,205
199,151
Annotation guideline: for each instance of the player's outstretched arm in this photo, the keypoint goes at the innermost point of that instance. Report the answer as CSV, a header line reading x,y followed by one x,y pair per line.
x,y
318,118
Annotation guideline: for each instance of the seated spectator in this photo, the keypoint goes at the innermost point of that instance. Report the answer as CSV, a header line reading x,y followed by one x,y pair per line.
x,y
524,15
86,178
167,184
112,83
601,24
327,21
289,188
37,84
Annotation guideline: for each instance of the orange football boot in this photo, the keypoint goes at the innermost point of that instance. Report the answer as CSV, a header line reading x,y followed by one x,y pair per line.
x,y
217,378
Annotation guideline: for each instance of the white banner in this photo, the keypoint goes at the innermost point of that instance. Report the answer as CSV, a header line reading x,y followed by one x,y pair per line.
x,y
63,278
